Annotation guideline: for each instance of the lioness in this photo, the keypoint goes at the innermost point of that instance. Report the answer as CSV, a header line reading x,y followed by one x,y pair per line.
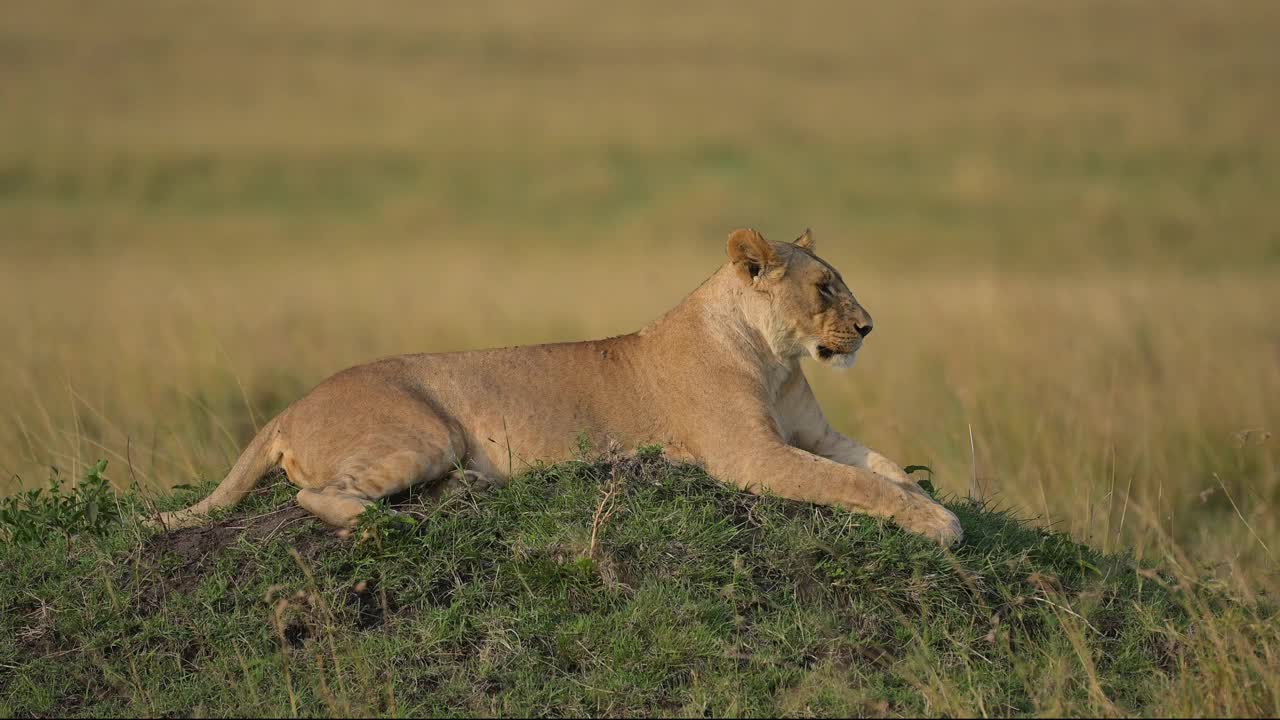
x,y
716,380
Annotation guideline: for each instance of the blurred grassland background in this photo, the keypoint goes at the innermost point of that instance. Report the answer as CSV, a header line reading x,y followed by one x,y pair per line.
x,y
1064,218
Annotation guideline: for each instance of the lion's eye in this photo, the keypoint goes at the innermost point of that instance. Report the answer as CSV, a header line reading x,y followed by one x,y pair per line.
x,y
825,288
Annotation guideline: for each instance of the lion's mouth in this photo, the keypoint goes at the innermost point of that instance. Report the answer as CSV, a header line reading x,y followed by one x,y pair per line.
x,y
834,356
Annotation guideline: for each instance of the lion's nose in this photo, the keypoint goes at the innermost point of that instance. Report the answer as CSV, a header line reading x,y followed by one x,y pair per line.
x,y
864,330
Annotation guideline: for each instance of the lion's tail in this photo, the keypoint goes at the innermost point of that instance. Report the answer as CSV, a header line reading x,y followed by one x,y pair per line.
x,y
259,457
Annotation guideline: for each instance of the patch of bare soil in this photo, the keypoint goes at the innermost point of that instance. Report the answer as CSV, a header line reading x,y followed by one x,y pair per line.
x,y
178,560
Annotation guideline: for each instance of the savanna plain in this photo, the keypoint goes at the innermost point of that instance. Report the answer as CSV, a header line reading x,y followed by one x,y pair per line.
x,y
1062,216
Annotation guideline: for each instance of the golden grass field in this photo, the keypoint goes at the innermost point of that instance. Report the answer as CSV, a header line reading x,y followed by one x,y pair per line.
x,y
1063,217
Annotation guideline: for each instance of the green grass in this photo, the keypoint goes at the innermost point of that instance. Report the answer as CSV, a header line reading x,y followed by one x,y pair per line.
x,y
694,600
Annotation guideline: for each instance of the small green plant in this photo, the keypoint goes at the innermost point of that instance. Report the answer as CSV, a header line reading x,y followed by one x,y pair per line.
x,y
583,445
651,451
88,506
926,484
379,519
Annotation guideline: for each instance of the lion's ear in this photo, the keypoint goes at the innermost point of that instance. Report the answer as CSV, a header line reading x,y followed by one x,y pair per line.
x,y
753,255
805,240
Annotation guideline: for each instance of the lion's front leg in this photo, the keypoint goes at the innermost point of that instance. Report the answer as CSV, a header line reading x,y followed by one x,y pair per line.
x,y
882,465
809,430
845,451
792,473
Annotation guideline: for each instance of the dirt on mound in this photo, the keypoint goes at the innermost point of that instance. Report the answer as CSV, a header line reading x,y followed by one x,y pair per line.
x,y
177,561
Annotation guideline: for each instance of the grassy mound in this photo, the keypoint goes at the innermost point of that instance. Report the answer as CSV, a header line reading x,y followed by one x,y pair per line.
x,y
625,587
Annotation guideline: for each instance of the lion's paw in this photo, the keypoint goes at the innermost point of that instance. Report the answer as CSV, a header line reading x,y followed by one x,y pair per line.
x,y
924,516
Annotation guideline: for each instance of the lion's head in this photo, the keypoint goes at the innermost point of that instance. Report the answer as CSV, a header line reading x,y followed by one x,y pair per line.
x,y
797,300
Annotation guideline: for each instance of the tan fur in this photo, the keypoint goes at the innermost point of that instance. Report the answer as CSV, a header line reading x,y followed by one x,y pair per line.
x,y
716,380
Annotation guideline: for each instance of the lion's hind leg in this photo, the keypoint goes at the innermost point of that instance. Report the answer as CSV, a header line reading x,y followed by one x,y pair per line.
x,y
381,472
336,507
